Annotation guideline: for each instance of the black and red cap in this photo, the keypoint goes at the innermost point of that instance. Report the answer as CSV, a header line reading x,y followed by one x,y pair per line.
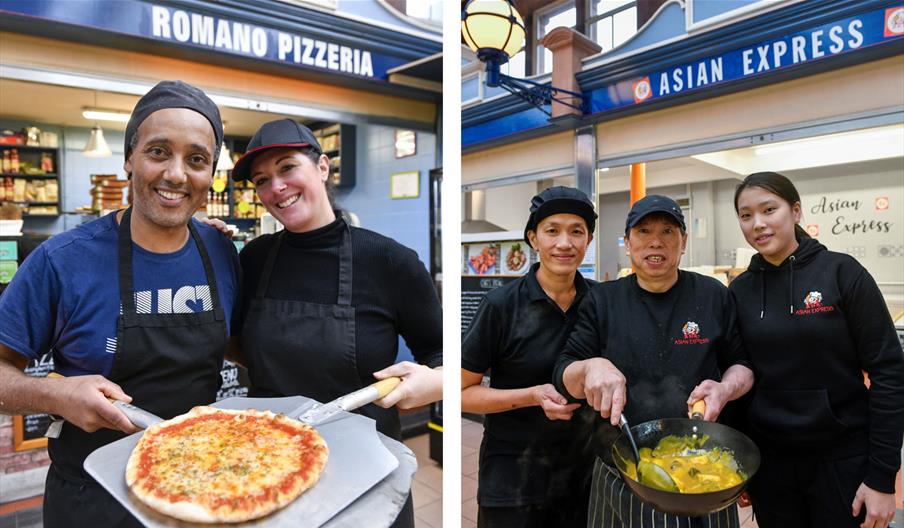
x,y
275,134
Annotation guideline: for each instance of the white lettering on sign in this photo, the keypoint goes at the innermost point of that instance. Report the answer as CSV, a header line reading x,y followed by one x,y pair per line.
x,y
691,76
762,58
202,29
854,29
209,31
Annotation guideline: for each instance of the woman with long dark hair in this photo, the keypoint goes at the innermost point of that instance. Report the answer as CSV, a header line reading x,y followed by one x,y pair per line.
x,y
813,321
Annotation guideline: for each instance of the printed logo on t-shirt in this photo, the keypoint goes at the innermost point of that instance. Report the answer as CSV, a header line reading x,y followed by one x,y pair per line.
x,y
813,304
691,332
187,299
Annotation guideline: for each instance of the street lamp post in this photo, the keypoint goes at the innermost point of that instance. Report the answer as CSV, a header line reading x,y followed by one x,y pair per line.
x,y
495,31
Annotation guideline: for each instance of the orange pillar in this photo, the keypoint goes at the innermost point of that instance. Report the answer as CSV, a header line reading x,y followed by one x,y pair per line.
x,y
638,181
638,185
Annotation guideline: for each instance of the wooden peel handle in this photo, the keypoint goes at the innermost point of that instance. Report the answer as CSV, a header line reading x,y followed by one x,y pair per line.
x,y
385,386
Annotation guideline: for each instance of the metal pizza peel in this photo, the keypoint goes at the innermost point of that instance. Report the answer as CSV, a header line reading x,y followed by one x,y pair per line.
x,y
366,480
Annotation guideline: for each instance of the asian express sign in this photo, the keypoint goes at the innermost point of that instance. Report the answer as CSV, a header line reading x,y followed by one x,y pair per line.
x,y
182,26
805,46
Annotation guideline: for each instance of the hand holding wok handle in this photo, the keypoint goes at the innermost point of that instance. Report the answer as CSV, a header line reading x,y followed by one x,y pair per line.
x,y
736,381
85,402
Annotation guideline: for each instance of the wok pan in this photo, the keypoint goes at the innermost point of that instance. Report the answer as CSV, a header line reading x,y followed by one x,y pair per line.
x,y
649,433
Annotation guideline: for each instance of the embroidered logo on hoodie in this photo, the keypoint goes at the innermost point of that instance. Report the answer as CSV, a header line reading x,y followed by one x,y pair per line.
x,y
813,304
691,331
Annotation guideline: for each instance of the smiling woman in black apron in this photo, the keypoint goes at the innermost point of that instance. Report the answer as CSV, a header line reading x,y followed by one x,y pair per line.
x,y
534,465
156,336
642,344
327,302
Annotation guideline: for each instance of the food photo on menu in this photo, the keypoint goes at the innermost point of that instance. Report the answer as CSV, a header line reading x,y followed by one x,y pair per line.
x,y
483,259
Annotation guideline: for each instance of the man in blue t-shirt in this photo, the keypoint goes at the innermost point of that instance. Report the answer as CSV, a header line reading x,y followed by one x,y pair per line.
x,y
133,306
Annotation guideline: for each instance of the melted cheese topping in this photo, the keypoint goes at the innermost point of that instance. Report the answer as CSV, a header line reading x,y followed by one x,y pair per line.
x,y
229,461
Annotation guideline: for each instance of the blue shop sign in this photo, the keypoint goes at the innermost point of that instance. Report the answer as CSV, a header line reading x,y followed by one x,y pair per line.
x,y
836,38
204,31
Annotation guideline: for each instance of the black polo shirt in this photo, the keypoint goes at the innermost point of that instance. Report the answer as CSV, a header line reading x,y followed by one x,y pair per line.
x,y
664,343
517,335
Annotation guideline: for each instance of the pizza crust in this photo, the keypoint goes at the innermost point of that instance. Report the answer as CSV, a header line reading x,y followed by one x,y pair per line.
x,y
222,465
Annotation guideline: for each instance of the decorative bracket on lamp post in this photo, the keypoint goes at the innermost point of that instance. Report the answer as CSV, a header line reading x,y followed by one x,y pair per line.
x,y
537,94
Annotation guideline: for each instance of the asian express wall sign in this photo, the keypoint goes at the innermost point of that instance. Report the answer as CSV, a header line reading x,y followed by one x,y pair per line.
x,y
844,36
211,32
812,44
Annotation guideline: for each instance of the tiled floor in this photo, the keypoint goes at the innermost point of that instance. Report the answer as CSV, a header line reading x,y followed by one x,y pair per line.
x,y
471,433
427,487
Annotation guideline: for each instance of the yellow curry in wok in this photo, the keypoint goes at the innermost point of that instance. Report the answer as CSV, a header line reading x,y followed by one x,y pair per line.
x,y
694,468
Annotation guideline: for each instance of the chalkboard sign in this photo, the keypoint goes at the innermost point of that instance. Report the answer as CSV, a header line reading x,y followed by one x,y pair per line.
x,y
235,381
473,290
28,430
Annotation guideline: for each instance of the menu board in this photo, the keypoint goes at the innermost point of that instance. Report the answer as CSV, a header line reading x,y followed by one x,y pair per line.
x,y
473,290
29,429
235,381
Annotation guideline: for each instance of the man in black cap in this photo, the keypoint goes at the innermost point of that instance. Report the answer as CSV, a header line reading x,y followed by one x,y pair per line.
x,y
651,344
133,306
533,461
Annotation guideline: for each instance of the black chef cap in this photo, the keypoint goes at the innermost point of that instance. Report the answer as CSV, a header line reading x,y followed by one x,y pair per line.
x,y
175,94
558,200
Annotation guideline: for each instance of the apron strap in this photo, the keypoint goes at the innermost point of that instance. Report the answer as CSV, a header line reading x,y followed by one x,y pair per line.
x,y
264,281
127,284
344,297
345,268
124,248
208,272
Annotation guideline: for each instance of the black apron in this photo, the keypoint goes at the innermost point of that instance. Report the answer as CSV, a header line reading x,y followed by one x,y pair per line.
x,y
301,348
167,363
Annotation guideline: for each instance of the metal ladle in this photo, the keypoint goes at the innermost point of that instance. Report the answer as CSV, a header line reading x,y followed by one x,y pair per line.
x,y
648,473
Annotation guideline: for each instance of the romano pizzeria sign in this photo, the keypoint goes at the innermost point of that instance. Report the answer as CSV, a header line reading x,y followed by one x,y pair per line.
x,y
202,30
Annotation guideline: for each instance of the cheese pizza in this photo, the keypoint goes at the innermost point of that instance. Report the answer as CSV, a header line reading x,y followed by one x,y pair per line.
x,y
220,465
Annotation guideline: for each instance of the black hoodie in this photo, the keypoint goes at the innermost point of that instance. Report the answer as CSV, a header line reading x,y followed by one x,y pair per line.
x,y
811,326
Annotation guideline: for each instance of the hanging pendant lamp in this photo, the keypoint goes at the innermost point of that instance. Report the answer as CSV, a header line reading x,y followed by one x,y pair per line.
x,y
97,146
224,162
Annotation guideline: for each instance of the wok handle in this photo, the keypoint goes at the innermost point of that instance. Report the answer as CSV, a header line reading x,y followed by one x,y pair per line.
x,y
698,410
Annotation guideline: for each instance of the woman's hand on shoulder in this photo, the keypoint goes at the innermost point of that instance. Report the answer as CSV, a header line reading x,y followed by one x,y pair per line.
x,y
219,225
420,385
554,405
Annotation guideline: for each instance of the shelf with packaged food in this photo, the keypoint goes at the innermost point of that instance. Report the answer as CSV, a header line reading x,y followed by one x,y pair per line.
x,y
338,142
29,176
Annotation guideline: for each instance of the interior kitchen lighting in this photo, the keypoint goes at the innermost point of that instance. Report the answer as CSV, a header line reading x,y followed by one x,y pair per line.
x,y
97,114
